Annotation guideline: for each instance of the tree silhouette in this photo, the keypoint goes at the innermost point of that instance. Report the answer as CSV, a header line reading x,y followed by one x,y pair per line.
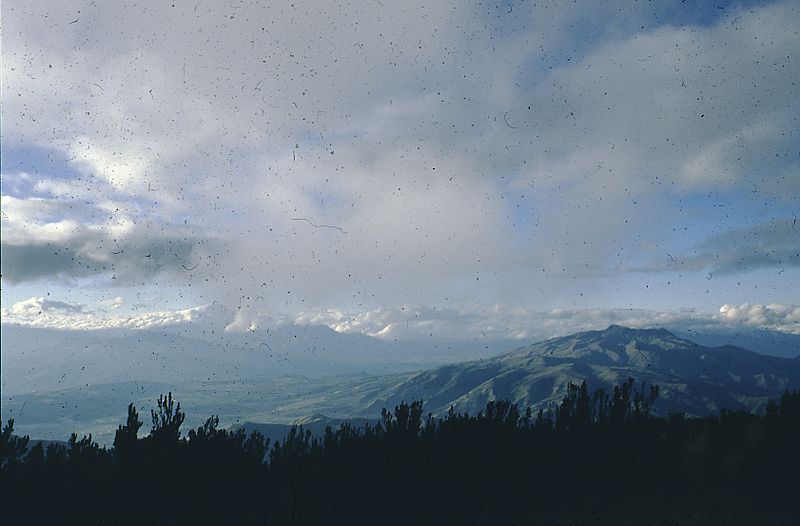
x,y
597,458
126,437
12,448
167,420
406,421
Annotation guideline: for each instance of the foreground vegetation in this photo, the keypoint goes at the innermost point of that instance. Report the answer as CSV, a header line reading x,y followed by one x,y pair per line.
x,y
597,458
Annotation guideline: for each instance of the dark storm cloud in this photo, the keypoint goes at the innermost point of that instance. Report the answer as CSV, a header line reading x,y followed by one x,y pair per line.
x,y
64,251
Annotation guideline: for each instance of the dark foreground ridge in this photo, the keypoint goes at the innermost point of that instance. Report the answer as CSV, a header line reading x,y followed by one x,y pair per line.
x,y
596,458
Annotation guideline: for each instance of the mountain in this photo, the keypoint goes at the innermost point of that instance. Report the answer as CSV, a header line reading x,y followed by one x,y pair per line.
x,y
38,360
763,341
693,378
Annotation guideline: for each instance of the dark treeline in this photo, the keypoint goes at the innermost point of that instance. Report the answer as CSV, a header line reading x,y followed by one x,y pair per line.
x,y
597,458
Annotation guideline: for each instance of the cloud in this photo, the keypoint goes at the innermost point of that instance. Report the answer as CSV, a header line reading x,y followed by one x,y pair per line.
x,y
409,323
456,147
67,250
37,245
772,244
39,306
114,303
504,323
783,318
42,313
492,323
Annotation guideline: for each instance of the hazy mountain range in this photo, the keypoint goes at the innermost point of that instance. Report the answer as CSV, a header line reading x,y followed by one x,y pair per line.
x,y
694,378
37,360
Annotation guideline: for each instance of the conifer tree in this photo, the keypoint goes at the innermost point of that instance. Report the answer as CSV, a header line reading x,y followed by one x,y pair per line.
x,y
167,420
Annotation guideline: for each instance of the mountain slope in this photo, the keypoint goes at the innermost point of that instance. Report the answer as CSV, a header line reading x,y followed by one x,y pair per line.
x,y
695,379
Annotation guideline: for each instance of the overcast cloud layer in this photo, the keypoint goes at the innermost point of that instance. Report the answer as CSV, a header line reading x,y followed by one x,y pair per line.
x,y
350,158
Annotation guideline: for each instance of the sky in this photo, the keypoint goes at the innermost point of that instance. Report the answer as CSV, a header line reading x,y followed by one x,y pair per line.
x,y
466,166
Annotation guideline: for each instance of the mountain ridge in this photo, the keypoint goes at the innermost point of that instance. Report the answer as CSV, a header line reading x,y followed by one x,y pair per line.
x,y
693,378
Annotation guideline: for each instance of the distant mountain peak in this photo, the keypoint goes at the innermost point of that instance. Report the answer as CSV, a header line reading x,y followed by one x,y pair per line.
x,y
616,346
620,331
618,335
614,328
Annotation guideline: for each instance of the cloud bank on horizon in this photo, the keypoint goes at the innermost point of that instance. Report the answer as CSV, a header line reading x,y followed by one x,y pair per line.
x,y
405,323
348,160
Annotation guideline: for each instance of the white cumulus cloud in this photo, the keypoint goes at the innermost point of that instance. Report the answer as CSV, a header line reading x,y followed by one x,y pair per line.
x,y
783,318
